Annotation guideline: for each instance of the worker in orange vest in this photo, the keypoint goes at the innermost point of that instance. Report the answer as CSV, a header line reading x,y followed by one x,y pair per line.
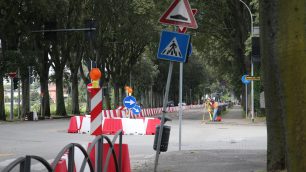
x,y
215,107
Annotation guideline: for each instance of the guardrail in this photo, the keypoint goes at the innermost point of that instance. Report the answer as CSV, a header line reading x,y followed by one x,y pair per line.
x,y
25,162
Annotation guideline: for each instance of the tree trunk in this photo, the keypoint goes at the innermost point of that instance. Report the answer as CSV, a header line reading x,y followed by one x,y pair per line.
x,y
284,40
88,103
45,97
116,92
25,93
275,128
122,96
44,73
291,46
60,104
74,92
107,101
107,97
2,106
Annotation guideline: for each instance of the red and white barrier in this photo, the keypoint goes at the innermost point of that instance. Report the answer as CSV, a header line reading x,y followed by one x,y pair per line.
x,y
151,125
133,126
96,111
85,128
112,125
125,159
62,165
114,120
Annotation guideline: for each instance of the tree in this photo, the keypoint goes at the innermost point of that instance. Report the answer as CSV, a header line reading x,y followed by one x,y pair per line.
x,y
146,72
125,42
74,50
283,49
220,38
64,47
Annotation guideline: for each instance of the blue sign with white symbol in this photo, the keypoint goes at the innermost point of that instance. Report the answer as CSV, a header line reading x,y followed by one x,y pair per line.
x,y
129,102
136,110
173,46
243,79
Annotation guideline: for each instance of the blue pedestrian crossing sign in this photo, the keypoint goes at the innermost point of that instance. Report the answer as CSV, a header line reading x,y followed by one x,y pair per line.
x,y
129,102
173,46
136,110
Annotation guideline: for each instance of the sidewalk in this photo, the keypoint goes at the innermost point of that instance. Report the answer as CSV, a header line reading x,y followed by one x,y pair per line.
x,y
242,158
236,116
208,161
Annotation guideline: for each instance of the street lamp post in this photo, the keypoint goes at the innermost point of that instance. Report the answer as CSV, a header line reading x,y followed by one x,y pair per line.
x,y
252,65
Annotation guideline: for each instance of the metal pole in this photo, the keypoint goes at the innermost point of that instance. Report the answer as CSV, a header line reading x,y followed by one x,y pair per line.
x,y
41,105
12,100
163,115
29,89
180,101
18,75
252,90
252,67
246,101
250,15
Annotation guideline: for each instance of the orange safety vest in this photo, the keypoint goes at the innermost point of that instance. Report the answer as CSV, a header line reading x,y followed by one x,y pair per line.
x,y
215,105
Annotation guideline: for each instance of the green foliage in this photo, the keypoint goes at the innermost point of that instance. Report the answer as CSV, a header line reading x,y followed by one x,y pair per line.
x,y
125,41
146,72
36,107
8,111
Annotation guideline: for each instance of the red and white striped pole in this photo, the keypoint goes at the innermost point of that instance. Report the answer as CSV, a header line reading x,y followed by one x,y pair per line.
x,y
95,103
96,111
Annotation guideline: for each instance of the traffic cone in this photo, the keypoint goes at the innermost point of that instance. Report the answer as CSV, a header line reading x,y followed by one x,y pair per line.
x,y
73,127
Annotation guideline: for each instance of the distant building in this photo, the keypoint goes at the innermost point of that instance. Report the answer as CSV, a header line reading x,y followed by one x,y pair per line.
x,y
52,93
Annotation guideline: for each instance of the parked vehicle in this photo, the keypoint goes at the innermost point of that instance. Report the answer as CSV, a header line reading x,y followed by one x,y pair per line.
x,y
183,104
170,103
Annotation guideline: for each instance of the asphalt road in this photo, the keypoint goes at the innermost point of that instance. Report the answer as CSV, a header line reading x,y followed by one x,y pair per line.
x,y
46,138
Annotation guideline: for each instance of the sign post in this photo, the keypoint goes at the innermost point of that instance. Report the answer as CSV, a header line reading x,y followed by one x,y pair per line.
x,y
253,78
163,115
175,47
129,102
179,14
182,30
245,82
136,110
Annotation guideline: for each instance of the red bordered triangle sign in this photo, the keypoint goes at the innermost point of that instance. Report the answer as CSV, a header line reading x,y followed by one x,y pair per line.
x,y
179,14
184,29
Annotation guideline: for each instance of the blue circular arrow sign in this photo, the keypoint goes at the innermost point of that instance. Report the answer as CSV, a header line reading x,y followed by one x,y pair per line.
x,y
243,79
136,110
129,102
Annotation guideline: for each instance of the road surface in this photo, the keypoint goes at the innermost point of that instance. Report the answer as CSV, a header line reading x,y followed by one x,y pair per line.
x,y
46,138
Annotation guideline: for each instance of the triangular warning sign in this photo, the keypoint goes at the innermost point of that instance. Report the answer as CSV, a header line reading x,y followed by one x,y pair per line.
x,y
172,49
179,14
182,29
